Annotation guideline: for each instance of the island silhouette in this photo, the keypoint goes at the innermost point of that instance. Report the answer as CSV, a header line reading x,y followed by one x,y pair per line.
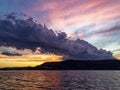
x,y
111,64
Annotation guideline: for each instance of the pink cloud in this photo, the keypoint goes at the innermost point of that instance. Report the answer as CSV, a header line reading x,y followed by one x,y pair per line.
x,y
73,14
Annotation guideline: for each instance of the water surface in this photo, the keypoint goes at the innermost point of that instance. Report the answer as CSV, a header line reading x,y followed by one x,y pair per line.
x,y
60,80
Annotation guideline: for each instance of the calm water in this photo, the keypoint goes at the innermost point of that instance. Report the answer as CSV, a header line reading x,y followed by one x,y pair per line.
x,y
60,80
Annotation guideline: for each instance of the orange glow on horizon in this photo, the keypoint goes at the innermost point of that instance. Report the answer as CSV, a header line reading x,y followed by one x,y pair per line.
x,y
28,60
117,56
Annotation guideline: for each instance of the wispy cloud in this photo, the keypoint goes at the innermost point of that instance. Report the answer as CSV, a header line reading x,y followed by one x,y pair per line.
x,y
76,13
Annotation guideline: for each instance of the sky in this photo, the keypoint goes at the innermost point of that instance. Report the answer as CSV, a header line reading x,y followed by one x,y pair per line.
x,y
95,21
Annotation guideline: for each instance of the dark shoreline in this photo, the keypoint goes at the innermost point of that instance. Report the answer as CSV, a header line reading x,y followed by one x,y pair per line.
x,y
73,65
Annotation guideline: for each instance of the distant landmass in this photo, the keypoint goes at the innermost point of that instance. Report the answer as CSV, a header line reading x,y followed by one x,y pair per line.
x,y
74,65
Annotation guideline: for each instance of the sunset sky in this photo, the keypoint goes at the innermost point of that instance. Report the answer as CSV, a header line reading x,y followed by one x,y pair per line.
x,y
95,21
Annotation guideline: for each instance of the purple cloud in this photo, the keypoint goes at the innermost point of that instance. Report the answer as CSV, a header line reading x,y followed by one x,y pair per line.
x,y
26,33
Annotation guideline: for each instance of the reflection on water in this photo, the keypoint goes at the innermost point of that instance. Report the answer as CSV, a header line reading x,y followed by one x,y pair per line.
x,y
60,80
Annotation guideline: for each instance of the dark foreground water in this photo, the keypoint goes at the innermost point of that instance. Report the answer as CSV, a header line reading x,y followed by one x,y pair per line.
x,y
60,80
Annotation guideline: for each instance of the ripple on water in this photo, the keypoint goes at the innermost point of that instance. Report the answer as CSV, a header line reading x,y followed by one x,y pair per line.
x,y
60,80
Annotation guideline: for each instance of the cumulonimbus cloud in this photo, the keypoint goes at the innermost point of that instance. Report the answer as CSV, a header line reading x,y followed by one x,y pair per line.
x,y
26,33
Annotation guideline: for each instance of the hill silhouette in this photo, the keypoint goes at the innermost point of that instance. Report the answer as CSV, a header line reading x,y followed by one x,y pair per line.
x,y
74,65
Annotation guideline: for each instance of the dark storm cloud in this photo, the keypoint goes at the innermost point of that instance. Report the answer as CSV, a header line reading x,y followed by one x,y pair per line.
x,y
11,54
25,33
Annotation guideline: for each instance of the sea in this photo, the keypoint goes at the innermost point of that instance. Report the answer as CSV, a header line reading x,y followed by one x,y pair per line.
x,y
59,80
